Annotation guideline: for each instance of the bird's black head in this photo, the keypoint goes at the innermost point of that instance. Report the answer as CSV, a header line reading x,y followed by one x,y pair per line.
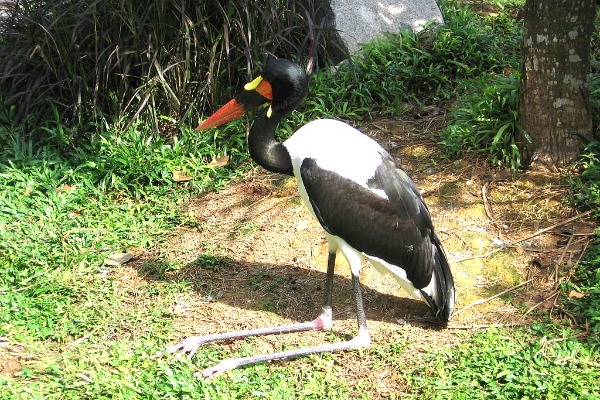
x,y
289,84
282,83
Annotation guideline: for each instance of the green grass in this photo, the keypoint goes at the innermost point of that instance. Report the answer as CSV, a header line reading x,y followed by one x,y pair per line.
x,y
63,214
486,120
587,282
544,361
81,332
122,371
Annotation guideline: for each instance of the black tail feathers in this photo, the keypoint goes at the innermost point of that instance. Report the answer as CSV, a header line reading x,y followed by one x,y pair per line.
x,y
442,301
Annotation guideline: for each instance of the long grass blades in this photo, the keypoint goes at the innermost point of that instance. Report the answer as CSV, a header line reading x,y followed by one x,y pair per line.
x,y
135,61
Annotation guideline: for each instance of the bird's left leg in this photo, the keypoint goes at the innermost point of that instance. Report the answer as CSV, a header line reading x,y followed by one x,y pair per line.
x,y
324,321
361,340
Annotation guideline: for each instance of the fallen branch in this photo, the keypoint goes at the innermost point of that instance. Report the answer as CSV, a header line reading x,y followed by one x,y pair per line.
x,y
537,233
582,253
482,301
542,302
486,204
21,289
484,255
562,257
85,337
561,223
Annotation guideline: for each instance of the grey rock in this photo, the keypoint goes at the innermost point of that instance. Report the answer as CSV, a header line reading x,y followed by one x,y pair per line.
x,y
358,21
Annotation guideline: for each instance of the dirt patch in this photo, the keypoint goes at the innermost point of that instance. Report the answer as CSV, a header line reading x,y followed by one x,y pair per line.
x,y
10,358
256,257
9,364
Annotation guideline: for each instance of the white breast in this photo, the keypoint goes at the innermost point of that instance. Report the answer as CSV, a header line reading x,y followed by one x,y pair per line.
x,y
337,147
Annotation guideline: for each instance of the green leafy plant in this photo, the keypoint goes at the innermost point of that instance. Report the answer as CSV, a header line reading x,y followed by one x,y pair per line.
x,y
403,70
586,185
486,120
587,284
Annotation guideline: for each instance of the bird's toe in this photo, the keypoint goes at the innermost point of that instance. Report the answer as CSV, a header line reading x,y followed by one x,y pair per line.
x,y
220,368
188,346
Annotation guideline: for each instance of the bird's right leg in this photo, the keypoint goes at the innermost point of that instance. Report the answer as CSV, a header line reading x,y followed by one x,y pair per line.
x,y
362,339
324,321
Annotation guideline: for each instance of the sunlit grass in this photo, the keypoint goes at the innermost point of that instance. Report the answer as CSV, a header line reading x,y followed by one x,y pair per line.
x,y
75,328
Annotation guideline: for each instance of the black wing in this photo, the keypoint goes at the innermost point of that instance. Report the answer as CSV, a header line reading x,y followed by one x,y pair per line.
x,y
397,229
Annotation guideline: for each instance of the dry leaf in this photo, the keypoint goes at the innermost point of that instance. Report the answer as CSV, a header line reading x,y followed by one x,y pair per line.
x,y
74,214
118,259
541,261
27,191
180,176
219,162
575,294
135,250
502,175
65,188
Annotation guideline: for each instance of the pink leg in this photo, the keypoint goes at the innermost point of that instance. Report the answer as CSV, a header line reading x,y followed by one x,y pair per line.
x,y
361,340
191,344
322,322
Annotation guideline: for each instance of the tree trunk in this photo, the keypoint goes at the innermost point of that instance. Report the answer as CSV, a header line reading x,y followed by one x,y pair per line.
x,y
554,101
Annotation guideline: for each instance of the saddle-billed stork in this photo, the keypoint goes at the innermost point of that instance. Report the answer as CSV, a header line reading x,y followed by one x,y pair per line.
x,y
368,206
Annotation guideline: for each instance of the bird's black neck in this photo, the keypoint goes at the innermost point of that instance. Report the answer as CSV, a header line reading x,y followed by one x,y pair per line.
x,y
265,149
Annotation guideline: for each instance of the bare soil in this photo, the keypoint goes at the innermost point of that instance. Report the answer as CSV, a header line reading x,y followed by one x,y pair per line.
x,y
257,258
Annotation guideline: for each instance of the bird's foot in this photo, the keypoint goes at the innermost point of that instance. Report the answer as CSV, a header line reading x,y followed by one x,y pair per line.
x,y
362,340
220,368
188,345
